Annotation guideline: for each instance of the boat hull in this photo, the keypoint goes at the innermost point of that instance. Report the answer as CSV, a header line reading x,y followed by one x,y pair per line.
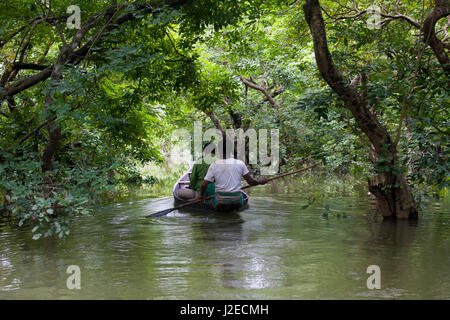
x,y
183,182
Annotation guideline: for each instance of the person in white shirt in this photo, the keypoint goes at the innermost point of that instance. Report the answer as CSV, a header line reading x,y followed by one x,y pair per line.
x,y
226,173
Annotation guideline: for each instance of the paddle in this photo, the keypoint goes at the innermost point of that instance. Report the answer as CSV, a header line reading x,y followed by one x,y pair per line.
x,y
167,211
286,174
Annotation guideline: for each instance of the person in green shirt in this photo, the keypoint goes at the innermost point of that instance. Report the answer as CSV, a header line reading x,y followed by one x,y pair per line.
x,y
199,171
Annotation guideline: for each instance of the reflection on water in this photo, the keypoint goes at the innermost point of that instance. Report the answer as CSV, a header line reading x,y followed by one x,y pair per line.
x,y
273,250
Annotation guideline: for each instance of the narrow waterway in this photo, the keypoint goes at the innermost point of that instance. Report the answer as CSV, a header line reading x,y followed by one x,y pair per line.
x,y
273,250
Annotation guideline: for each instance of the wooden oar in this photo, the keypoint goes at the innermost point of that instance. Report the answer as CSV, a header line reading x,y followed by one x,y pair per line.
x,y
167,211
286,174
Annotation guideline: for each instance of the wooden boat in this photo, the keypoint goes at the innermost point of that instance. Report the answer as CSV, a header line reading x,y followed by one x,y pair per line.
x,y
184,182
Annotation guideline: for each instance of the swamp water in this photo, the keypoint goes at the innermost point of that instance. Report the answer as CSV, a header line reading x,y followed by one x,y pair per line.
x,y
273,250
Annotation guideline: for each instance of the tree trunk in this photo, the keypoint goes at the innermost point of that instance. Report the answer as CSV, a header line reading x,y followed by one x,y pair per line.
x,y
441,10
54,137
394,197
216,122
54,131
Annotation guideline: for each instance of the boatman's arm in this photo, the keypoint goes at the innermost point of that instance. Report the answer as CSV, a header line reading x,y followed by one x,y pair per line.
x,y
253,182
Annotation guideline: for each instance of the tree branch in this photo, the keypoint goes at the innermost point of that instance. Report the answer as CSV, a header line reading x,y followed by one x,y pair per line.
x,y
441,10
28,66
15,33
69,54
251,84
390,17
216,122
25,83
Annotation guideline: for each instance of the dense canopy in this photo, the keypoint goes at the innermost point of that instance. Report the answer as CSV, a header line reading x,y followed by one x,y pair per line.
x,y
363,90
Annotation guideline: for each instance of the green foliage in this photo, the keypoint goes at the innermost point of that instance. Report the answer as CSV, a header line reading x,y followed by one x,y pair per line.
x,y
110,110
166,67
274,50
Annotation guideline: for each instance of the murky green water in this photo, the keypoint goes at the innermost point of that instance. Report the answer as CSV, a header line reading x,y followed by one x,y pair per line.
x,y
273,250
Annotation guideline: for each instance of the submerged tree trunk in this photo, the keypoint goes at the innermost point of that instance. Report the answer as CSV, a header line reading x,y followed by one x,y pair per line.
x,y
394,197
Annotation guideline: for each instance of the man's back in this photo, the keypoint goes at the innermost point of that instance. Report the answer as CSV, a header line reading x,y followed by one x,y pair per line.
x,y
227,174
